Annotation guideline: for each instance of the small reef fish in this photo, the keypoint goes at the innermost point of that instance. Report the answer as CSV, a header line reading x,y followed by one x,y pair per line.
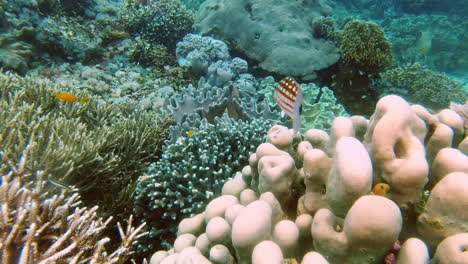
x,y
190,133
381,189
67,97
288,95
63,186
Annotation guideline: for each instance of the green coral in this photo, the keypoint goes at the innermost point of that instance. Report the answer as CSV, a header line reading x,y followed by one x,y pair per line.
x,y
319,107
364,46
146,53
191,171
97,147
159,21
423,86
15,53
325,27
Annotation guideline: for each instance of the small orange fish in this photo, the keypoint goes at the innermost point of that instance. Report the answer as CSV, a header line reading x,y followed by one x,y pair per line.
x,y
190,133
288,95
422,49
381,189
66,97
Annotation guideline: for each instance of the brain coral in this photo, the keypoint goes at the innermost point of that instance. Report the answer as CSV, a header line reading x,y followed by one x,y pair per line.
x,y
277,34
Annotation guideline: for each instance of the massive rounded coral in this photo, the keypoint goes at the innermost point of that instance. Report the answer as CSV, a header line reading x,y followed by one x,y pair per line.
x,y
356,226
364,46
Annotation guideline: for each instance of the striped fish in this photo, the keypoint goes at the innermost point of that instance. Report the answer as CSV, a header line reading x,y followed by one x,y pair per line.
x,y
288,95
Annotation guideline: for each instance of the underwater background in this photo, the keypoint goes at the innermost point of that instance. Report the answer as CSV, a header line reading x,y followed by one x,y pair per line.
x,y
147,107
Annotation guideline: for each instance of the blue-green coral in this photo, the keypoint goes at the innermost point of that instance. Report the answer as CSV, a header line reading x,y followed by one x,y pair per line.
x,y
191,172
319,107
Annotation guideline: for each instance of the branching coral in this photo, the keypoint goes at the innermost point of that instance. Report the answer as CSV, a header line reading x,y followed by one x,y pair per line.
x,y
192,171
38,227
99,148
160,22
324,184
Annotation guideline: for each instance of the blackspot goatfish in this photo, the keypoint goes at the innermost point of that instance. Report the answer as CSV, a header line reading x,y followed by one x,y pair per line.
x,y
288,95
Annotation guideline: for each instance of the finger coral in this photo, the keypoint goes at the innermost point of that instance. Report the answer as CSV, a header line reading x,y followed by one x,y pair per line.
x,y
310,201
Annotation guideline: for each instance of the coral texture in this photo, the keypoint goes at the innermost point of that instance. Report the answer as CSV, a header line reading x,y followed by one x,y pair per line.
x,y
158,21
420,85
99,148
324,183
319,108
193,170
39,227
364,46
276,34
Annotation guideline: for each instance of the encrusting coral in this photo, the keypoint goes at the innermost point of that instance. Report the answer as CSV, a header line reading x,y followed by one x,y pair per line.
x,y
37,226
311,200
419,84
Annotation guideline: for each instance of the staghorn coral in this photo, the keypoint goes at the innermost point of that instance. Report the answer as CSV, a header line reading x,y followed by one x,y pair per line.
x,y
99,148
421,85
158,21
192,171
39,227
324,183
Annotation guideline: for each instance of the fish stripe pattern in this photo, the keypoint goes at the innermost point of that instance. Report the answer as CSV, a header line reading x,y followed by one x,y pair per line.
x,y
288,96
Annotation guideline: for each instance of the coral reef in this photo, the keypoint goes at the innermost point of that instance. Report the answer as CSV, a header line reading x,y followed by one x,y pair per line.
x,y
210,58
97,147
312,201
239,100
276,34
192,171
147,54
435,41
319,108
364,47
159,21
365,52
420,85
40,227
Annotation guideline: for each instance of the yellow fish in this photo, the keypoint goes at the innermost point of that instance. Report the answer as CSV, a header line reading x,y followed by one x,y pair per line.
x,y
381,189
190,133
84,100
